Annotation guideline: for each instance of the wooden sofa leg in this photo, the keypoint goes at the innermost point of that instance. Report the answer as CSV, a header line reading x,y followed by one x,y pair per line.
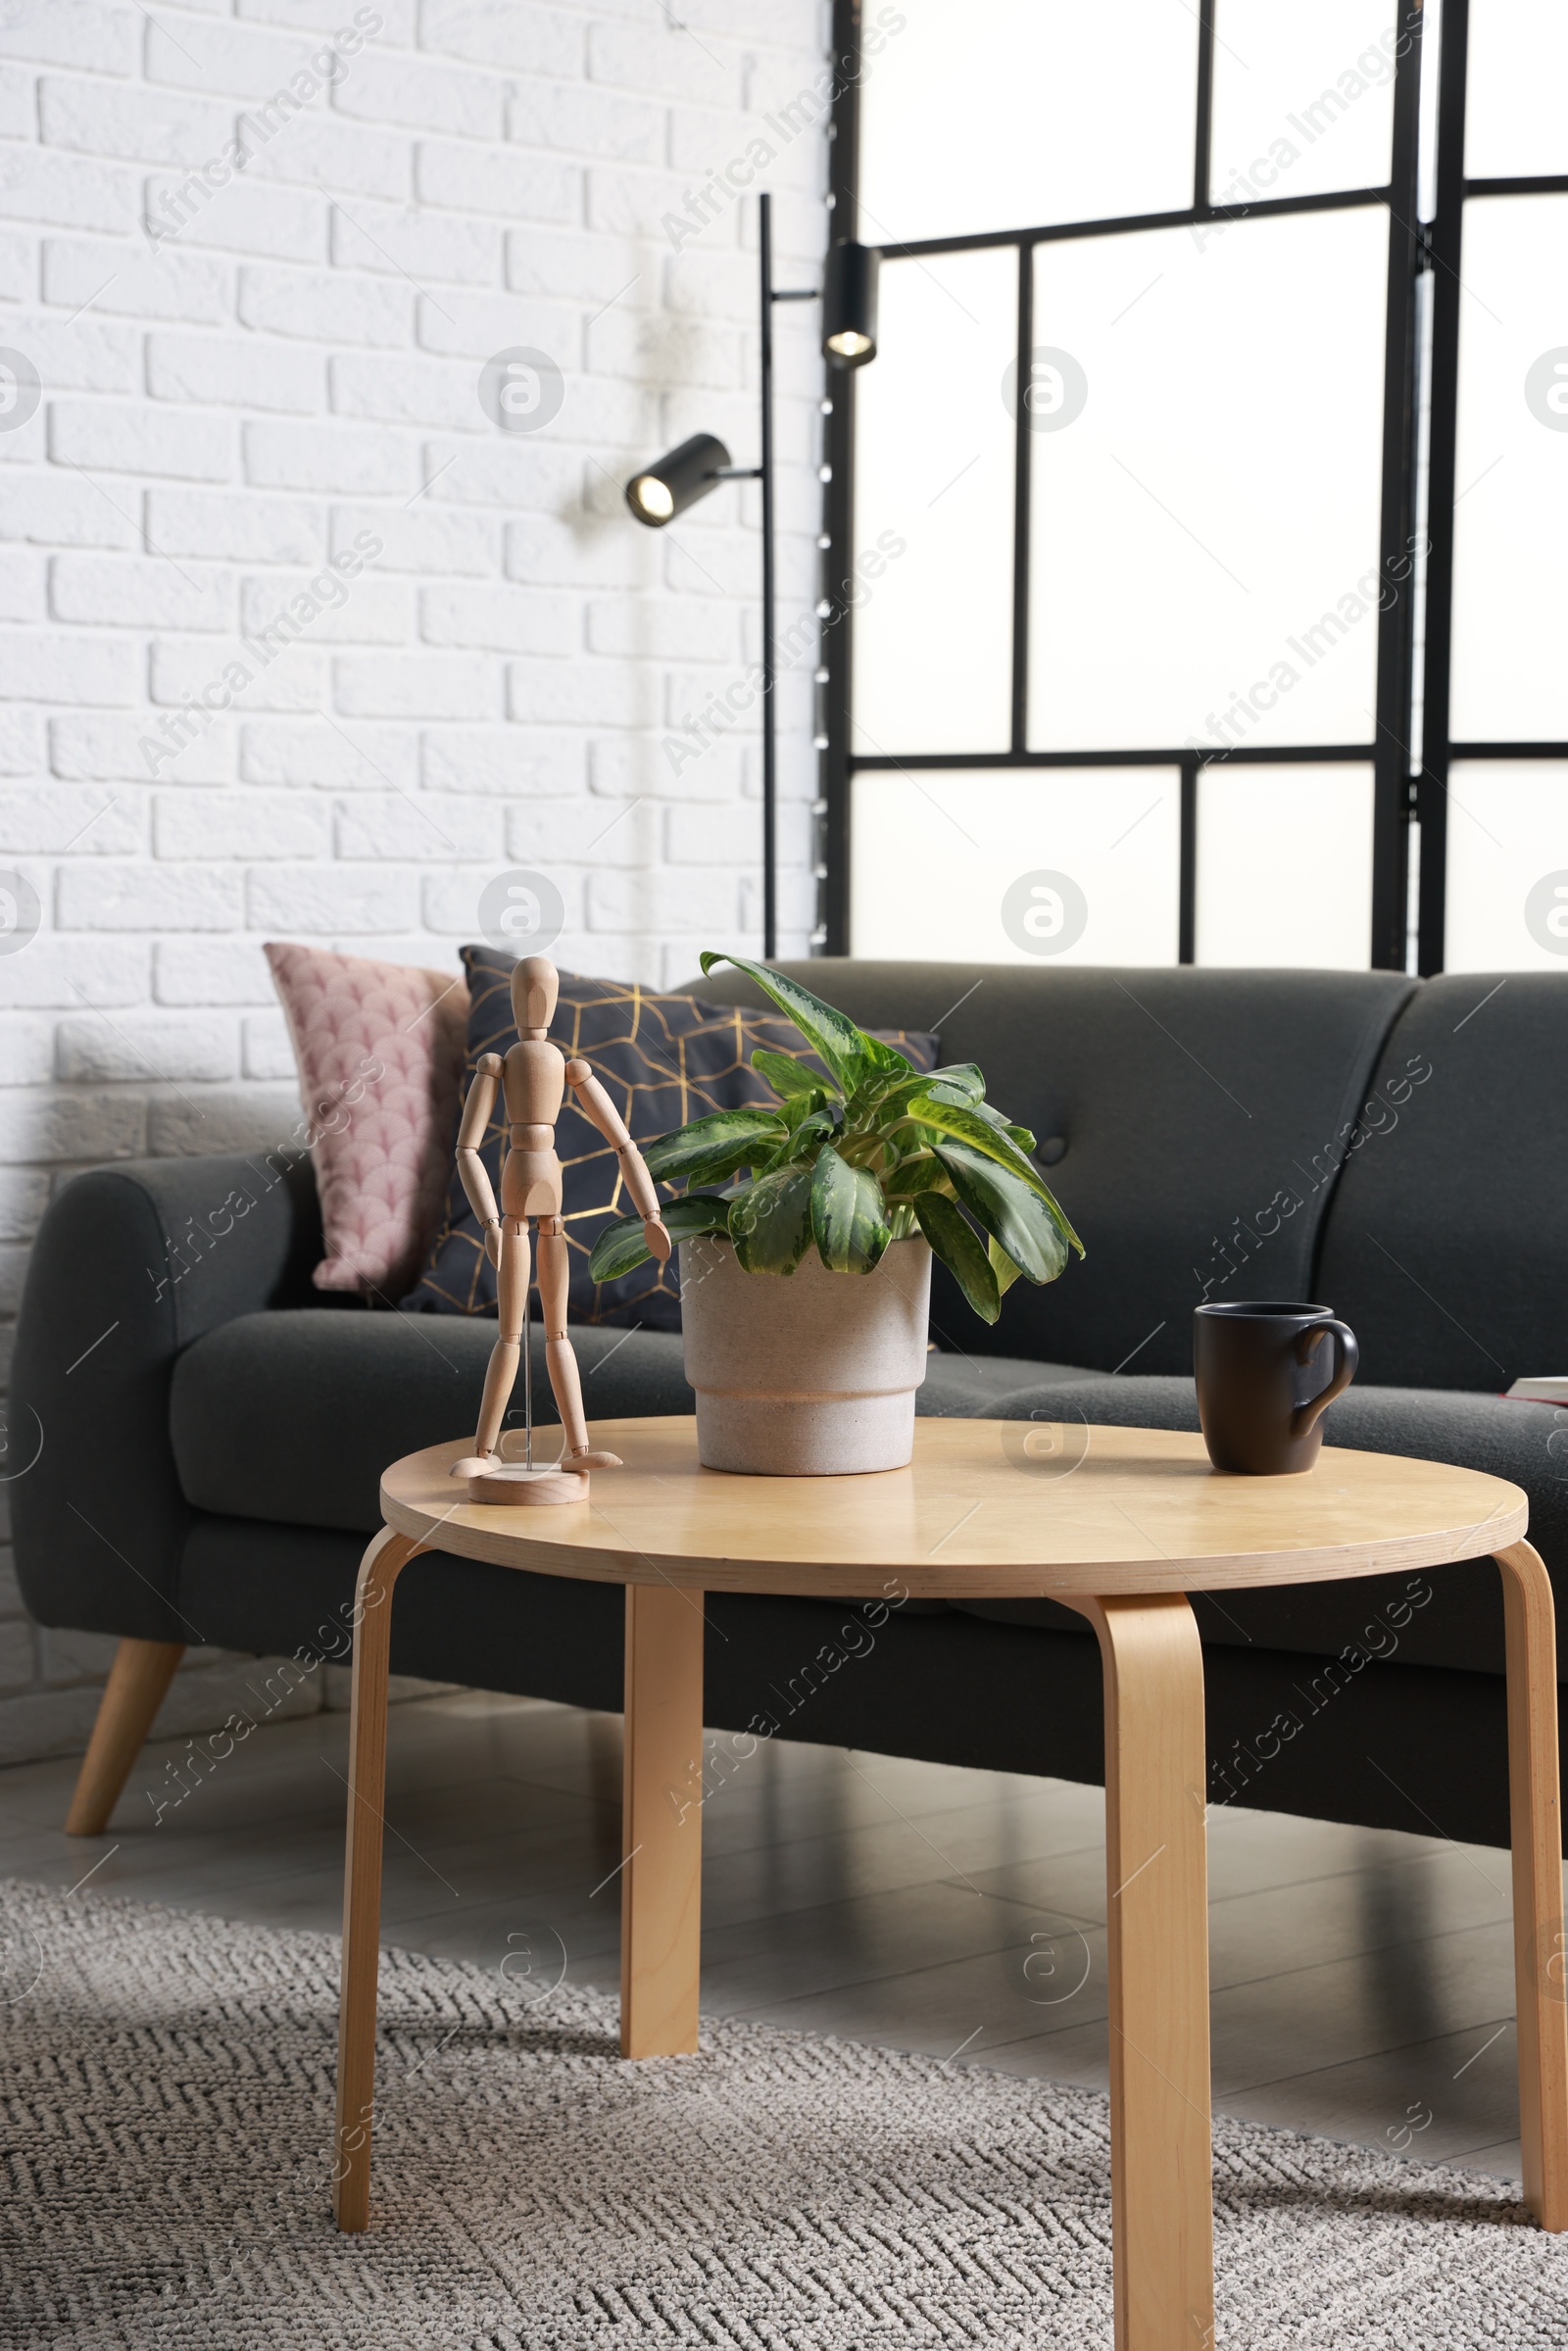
x,y
137,1682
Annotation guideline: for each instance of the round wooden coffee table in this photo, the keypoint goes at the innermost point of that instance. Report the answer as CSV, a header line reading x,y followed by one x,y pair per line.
x,y
1119,1524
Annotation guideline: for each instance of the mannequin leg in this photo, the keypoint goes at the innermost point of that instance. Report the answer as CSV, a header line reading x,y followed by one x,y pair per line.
x,y
511,1291
564,1383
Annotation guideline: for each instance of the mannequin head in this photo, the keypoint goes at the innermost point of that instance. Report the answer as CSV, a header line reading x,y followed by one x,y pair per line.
x,y
535,986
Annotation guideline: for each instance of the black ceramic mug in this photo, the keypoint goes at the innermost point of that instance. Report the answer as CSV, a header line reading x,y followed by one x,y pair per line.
x,y
1253,1364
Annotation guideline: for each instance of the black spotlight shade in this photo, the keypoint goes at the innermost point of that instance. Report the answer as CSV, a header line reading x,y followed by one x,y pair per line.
x,y
849,304
665,490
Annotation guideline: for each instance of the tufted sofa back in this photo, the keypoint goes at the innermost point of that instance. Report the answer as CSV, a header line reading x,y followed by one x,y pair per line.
x,y
1448,1242
1193,1123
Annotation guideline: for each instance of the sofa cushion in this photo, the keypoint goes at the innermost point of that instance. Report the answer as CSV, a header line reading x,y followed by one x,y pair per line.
x,y
1180,1114
1460,1625
662,1059
378,1047
1446,1244
291,1416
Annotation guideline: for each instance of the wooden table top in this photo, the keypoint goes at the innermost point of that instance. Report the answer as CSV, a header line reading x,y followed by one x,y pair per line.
x,y
988,1509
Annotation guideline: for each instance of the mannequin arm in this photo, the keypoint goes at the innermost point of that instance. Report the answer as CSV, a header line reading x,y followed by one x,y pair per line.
x,y
597,1105
471,1134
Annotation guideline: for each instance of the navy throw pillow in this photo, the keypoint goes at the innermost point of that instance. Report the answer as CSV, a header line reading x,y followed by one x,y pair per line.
x,y
662,1059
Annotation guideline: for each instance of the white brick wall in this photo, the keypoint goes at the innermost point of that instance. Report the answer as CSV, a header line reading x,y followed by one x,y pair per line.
x,y
242,372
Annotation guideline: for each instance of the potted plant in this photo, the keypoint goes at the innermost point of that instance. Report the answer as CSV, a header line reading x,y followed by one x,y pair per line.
x,y
864,1172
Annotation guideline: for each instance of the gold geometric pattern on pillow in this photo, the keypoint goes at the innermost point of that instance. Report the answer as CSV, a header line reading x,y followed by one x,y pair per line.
x,y
662,1059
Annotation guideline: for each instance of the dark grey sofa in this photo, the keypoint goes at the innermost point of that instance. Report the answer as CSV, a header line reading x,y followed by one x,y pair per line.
x,y
1393,1148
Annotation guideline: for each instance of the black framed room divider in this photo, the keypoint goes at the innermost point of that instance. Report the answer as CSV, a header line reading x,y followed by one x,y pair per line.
x,y
1353,270
1453,748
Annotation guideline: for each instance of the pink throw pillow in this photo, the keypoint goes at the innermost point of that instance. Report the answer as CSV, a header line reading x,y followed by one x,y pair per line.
x,y
379,1049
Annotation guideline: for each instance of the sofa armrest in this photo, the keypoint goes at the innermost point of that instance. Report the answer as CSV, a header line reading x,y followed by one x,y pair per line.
x,y
132,1264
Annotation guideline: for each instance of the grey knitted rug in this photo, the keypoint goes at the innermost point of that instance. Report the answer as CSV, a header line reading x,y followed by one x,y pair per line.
x,y
166,2100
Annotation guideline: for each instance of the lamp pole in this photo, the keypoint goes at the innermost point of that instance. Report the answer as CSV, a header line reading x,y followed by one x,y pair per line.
x,y
764,473
769,295
765,250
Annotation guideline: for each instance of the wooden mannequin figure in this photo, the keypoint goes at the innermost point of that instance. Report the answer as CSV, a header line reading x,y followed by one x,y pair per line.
x,y
532,1078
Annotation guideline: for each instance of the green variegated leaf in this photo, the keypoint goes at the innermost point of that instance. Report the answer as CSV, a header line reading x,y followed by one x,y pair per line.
x,y
954,1243
1001,1266
696,1212
788,1077
889,1096
847,1215
770,1221
1008,1209
739,1157
886,1058
693,1149
964,1126
803,1142
829,1032
913,1176
1004,1125
621,1247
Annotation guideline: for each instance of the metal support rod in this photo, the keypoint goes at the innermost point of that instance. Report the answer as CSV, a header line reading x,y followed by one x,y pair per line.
x,y
836,525
764,246
527,1372
1443,452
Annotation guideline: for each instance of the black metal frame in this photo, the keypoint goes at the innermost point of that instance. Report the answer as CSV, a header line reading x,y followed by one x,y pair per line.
x,y
832,806
1387,750
1438,750
768,294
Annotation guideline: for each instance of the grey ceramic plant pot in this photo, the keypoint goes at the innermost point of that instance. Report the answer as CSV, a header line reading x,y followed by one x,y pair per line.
x,y
807,1375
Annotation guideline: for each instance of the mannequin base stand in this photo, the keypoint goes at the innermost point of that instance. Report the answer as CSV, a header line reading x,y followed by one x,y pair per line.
x,y
516,1482
513,1484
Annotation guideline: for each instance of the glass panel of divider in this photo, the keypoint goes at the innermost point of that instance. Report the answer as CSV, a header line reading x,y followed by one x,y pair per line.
x,y
1018,865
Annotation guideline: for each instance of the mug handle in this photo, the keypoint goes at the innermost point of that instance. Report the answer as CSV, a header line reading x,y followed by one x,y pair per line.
x,y
1305,1417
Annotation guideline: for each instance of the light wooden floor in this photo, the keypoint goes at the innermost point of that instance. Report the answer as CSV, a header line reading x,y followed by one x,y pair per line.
x,y
1362,1980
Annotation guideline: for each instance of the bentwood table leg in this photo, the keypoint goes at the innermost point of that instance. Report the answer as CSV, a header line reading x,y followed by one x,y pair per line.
x,y
661,1829
384,1562
1540,1954
1158,1904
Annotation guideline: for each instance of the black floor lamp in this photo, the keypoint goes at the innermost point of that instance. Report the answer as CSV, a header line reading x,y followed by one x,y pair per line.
x,y
662,491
